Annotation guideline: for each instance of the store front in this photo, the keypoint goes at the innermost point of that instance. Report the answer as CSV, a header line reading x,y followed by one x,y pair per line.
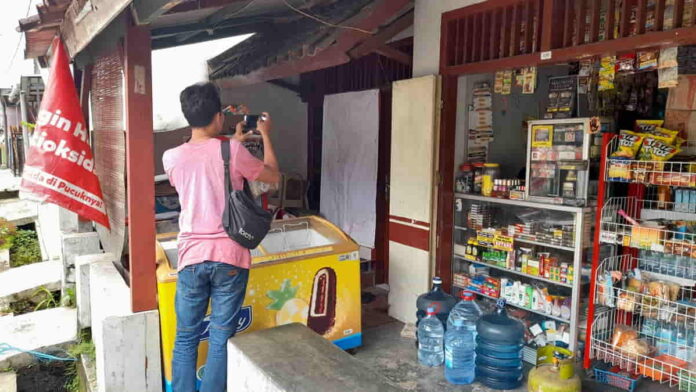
x,y
564,159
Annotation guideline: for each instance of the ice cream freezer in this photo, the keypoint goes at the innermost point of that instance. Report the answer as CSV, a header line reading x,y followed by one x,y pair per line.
x,y
306,270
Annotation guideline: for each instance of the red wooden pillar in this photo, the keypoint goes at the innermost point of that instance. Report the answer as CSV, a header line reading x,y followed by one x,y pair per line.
x,y
140,169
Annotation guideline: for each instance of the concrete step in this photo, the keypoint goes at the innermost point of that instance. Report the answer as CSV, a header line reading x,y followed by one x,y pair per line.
x,y
293,358
22,282
19,212
8,182
50,331
8,382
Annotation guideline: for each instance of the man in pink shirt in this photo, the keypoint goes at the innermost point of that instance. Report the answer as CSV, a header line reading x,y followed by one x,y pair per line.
x,y
212,267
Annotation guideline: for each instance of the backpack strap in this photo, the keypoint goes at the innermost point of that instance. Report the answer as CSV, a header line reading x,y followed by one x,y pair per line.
x,y
225,152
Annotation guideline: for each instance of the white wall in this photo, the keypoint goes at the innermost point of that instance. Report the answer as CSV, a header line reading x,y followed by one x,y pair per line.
x,y
289,115
426,39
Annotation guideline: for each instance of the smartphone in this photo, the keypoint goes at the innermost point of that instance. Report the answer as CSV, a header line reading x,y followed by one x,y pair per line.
x,y
252,121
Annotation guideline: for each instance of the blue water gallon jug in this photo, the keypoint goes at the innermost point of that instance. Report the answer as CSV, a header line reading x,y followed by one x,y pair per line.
x,y
499,350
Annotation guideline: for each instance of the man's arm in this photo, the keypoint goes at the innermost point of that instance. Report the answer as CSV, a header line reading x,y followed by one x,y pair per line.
x,y
271,172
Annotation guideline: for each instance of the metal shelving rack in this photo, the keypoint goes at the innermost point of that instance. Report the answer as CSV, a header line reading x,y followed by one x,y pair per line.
x,y
582,221
676,265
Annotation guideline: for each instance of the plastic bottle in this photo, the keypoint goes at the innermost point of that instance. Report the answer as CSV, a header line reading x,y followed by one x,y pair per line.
x,y
466,310
499,350
435,298
460,354
431,335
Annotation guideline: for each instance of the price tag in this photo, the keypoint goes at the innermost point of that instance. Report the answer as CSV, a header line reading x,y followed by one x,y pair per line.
x,y
607,237
546,55
657,247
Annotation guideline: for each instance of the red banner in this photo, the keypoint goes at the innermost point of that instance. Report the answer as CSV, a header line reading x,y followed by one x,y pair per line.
x,y
60,166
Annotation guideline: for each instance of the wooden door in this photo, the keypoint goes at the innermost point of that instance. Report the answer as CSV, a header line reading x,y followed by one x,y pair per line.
x,y
415,119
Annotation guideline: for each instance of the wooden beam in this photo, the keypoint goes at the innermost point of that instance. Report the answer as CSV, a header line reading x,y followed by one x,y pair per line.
x,y
146,11
335,54
140,172
548,30
378,40
85,20
657,39
660,14
580,19
641,16
610,24
395,54
529,26
595,10
625,18
444,221
678,19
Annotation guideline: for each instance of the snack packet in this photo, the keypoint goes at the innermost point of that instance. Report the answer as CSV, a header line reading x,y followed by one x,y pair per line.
x,y
629,144
656,150
647,126
668,134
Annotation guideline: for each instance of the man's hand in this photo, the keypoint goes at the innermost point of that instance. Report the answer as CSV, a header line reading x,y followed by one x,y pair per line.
x,y
264,124
239,133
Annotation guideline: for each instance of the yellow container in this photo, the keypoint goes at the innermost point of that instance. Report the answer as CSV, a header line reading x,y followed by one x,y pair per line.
x,y
306,270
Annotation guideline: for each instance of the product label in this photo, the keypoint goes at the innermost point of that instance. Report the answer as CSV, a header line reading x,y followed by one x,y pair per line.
x,y
607,237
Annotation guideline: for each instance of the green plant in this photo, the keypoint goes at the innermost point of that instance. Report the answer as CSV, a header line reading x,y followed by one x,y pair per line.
x,y
25,248
85,346
8,231
46,299
73,382
68,299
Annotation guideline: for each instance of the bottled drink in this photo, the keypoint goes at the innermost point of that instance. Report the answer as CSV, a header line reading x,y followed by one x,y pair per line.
x,y
431,335
459,353
437,299
466,310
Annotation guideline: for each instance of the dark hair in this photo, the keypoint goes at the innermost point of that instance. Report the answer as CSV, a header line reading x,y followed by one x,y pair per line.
x,y
200,103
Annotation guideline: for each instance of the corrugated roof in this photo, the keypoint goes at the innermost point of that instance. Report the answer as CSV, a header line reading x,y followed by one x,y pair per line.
x,y
40,29
287,41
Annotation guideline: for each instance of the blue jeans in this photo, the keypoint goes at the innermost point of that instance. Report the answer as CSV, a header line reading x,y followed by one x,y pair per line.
x,y
225,286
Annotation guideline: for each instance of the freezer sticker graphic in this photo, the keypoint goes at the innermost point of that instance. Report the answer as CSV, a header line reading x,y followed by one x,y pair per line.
x,y
289,309
244,319
322,310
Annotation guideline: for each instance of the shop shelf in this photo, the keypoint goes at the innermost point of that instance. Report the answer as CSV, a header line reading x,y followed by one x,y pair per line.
x,y
515,272
671,173
617,229
660,367
557,318
678,307
519,203
530,242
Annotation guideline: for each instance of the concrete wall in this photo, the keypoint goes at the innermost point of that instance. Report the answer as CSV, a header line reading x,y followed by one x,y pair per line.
x,y
289,114
426,40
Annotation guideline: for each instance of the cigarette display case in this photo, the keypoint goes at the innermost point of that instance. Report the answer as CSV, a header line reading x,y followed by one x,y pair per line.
x,y
560,156
305,271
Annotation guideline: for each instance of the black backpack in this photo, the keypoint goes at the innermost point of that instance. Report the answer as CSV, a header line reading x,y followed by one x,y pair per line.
x,y
244,221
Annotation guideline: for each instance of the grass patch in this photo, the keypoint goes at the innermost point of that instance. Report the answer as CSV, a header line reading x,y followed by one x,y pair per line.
x,y
84,347
25,248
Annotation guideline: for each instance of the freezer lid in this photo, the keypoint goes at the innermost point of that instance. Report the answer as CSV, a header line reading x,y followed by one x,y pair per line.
x,y
301,237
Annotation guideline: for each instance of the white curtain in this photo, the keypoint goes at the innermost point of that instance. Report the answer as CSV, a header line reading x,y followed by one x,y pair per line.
x,y
350,144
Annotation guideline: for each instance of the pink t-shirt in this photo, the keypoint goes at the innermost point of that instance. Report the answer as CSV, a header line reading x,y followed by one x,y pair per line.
x,y
196,171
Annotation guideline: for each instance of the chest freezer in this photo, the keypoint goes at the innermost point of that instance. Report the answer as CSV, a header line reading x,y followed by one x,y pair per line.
x,y
306,270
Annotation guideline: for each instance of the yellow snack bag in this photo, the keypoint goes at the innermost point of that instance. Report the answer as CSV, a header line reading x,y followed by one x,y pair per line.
x,y
656,150
667,134
629,144
648,126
